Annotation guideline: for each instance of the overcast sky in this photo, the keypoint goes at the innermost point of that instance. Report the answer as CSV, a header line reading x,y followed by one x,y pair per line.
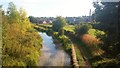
x,y
52,8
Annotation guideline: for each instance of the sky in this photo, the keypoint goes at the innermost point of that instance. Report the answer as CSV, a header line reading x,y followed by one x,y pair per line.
x,y
53,8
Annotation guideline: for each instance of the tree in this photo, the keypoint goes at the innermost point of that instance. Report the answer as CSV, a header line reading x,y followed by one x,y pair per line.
x,y
24,21
82,29
108,16
1,10
13,14
18,42
58,23
33,19
23,15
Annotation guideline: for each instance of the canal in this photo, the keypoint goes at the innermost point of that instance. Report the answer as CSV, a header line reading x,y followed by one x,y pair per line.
x,y
52,54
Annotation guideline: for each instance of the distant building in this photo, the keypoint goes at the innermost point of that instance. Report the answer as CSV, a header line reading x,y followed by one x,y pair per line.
x,y
77,20
45,21
50,21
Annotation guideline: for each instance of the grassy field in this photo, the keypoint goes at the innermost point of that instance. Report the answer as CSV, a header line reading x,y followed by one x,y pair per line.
x,y
45,25
70,28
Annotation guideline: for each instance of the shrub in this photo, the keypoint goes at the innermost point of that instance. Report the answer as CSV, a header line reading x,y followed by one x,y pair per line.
x,y
66,42
61,32
55,35
82,29
49,32
18,44
96,33
93,43
89,39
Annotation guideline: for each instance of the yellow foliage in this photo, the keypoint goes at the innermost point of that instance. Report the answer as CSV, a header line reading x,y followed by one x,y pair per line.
x,y
21,47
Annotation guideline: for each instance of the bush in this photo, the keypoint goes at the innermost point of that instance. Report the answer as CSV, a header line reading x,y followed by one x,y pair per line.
x,y
96,33
18,44
61,32
49,32
82,29
55,35
66,42
93,43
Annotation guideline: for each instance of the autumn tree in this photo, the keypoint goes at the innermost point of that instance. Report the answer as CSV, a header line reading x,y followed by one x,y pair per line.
x,y
24,21
19,39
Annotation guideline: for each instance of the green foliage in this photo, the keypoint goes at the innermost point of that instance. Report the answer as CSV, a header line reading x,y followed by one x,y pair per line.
x,y
44,28
61,32
13,14
79,57
58,23
82,29
96,33
49,32
46,25
65,42
105,63
69,28
39,20
108,18
62,39
41,29
107,14
21,43
55,35
33,19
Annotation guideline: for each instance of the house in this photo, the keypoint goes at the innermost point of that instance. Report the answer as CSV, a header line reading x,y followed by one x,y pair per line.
x,y
45,21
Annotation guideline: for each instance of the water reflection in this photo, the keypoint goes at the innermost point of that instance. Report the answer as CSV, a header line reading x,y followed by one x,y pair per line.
x,y
52,55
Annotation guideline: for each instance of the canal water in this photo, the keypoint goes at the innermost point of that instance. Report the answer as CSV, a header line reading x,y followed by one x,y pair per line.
x,y
52,54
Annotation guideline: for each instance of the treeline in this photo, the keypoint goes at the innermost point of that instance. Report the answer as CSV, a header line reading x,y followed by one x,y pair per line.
x,y
69,20
21,42
39,20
